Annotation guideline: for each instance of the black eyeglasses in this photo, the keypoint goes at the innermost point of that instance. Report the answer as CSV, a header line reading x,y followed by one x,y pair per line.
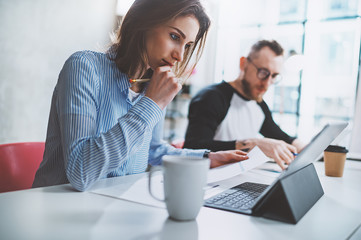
x,y
263,73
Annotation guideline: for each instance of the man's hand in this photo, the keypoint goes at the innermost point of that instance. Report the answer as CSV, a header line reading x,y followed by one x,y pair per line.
x,y
278,150
298,144
224,157
163,86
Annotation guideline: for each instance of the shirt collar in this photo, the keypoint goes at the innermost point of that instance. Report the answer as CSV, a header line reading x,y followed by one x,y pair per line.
x,y
236,92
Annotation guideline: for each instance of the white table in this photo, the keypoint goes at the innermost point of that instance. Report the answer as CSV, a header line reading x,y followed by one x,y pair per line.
x,y
59,212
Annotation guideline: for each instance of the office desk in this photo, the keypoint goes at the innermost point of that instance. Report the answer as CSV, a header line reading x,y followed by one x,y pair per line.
x,y
59,212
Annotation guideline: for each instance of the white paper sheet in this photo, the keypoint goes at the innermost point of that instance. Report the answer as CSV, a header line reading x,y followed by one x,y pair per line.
x,y
132,188
256,158
139,191
135,187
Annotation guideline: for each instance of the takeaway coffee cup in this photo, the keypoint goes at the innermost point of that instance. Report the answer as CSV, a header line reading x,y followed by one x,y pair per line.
x,y
334,158
184,180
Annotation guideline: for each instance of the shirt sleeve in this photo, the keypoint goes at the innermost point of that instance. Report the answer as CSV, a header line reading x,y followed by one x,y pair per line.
x,y
89,156
270,129
206,111
159,147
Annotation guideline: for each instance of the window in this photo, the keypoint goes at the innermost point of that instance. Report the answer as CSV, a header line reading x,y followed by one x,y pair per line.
x,y
322,43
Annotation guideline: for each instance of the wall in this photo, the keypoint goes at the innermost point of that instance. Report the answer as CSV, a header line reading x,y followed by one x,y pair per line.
x,y
36,37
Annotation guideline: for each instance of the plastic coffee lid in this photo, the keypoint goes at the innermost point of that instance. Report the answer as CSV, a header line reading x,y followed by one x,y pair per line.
x,y
335,148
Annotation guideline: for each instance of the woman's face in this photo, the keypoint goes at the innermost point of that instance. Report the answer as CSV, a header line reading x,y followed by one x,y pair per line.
x,y
166,43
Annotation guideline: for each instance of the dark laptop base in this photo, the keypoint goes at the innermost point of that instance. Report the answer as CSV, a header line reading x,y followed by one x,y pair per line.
x,y
291,197
288,200
294,192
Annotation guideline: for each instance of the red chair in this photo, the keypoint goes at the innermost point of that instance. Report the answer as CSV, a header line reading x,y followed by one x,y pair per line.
x,y
18,164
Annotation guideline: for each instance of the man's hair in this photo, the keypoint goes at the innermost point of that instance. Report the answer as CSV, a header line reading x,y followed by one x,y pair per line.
x,y
273,45
144,15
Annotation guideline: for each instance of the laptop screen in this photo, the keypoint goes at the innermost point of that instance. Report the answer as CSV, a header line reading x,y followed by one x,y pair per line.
x,y
315,148
310,153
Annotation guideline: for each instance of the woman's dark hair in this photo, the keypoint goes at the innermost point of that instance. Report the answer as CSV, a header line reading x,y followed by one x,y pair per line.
x,y
144,15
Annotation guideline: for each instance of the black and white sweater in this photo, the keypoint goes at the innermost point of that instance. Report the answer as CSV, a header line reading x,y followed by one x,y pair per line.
x,y
219,115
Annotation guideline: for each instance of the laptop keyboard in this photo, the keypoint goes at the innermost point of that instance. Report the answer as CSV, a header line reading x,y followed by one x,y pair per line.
x,y
238,198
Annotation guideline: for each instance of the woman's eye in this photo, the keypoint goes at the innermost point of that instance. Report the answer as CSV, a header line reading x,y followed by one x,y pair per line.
x,y
174,37
187,46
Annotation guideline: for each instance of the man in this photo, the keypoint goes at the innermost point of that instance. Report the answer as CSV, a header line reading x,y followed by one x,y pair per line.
x,y
230,115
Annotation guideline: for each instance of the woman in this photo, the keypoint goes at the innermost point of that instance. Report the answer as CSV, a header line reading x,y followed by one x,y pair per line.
x,y
100,124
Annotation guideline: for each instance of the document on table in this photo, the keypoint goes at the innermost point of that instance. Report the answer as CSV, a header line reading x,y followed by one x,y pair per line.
x,y
132,188
135,187
256,158
139,191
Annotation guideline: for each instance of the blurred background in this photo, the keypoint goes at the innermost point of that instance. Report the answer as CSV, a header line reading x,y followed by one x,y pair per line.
x,y
321,76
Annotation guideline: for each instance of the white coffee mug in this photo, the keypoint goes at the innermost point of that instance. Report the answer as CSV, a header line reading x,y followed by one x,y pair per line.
x,y
184,180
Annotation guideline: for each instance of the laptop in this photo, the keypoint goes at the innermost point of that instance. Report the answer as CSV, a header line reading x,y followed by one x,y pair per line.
x,y
291,195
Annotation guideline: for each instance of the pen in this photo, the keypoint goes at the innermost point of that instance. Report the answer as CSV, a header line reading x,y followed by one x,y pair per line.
x,y
141,80
271,170
294,154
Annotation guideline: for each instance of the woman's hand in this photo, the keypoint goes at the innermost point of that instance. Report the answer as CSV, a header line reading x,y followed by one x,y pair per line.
x,y
224,157
163,86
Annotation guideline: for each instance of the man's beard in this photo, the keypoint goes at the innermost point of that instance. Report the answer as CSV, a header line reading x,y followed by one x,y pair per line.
x,y
247,90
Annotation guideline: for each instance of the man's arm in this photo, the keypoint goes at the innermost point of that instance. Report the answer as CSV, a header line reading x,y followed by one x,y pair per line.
x,y
280,151
298,144
270,129
277,144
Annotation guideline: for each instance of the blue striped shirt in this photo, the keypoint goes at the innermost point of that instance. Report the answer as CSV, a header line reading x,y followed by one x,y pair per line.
x,y
95,131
